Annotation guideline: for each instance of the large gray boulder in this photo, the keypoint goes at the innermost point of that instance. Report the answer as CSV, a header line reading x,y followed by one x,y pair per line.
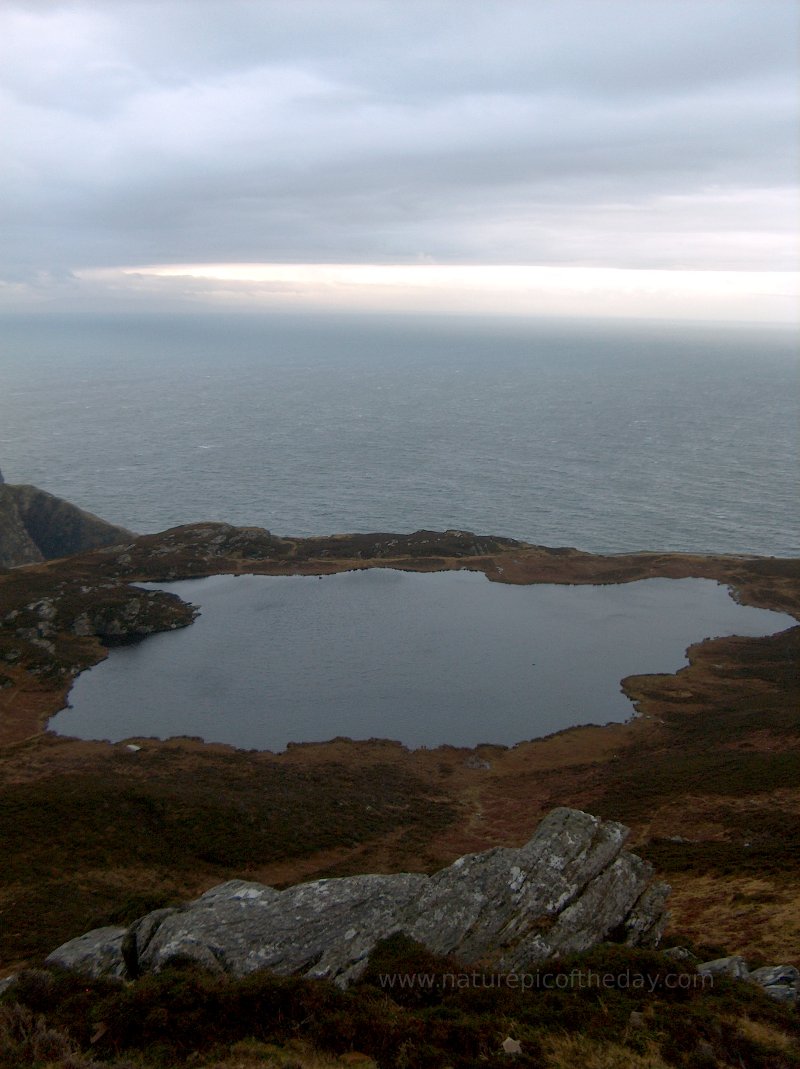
x,y
569,888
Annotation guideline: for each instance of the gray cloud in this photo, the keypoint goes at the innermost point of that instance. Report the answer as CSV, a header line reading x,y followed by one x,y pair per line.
x,y
654,133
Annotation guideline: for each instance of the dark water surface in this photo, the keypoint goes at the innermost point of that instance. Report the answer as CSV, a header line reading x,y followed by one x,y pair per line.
x,y
608,437
426,659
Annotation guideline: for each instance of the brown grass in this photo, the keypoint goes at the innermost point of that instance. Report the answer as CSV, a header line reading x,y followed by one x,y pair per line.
x,y
759,917
568,1052
251,1053
766,1035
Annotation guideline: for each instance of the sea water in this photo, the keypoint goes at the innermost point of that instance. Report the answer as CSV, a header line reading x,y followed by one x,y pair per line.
x,y
608,437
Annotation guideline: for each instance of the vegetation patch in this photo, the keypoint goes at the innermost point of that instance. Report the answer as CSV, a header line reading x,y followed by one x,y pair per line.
x,y
766,839
160,822
642,1010
631,792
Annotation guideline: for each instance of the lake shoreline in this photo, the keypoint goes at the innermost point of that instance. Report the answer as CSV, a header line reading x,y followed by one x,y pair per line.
x,y
28,699
31,695
431,659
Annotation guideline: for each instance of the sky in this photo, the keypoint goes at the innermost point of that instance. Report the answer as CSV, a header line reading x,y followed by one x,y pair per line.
x,y
530,157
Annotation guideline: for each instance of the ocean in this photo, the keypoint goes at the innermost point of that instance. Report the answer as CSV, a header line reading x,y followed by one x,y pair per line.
x,y
610,437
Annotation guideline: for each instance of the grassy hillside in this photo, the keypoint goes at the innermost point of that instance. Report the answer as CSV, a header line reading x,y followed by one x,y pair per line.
x,y
707,778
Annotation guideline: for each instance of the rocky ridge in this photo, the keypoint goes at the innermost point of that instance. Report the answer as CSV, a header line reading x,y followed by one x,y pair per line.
x,y
570,887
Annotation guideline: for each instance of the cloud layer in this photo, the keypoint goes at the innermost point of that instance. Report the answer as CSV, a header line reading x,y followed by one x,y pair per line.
x,y
653,134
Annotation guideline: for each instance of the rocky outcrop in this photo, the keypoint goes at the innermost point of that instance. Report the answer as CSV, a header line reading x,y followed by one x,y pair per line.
x,y
36,526
780,982
195,549
50,631
570,887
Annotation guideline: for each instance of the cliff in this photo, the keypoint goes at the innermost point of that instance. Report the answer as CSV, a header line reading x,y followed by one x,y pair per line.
x,y
36,526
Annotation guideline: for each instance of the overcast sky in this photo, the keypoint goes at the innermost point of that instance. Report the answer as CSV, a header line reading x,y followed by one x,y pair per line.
x,y
653,144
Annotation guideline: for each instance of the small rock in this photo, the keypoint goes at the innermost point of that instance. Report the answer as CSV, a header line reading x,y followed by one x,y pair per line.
x,y
681,954
636,1019
511,1046
44,609
782,993
775,974
82,625
706,1052
781,982
734,966
7,982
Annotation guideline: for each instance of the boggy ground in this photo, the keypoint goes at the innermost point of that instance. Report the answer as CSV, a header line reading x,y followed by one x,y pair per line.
x,y
708,777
